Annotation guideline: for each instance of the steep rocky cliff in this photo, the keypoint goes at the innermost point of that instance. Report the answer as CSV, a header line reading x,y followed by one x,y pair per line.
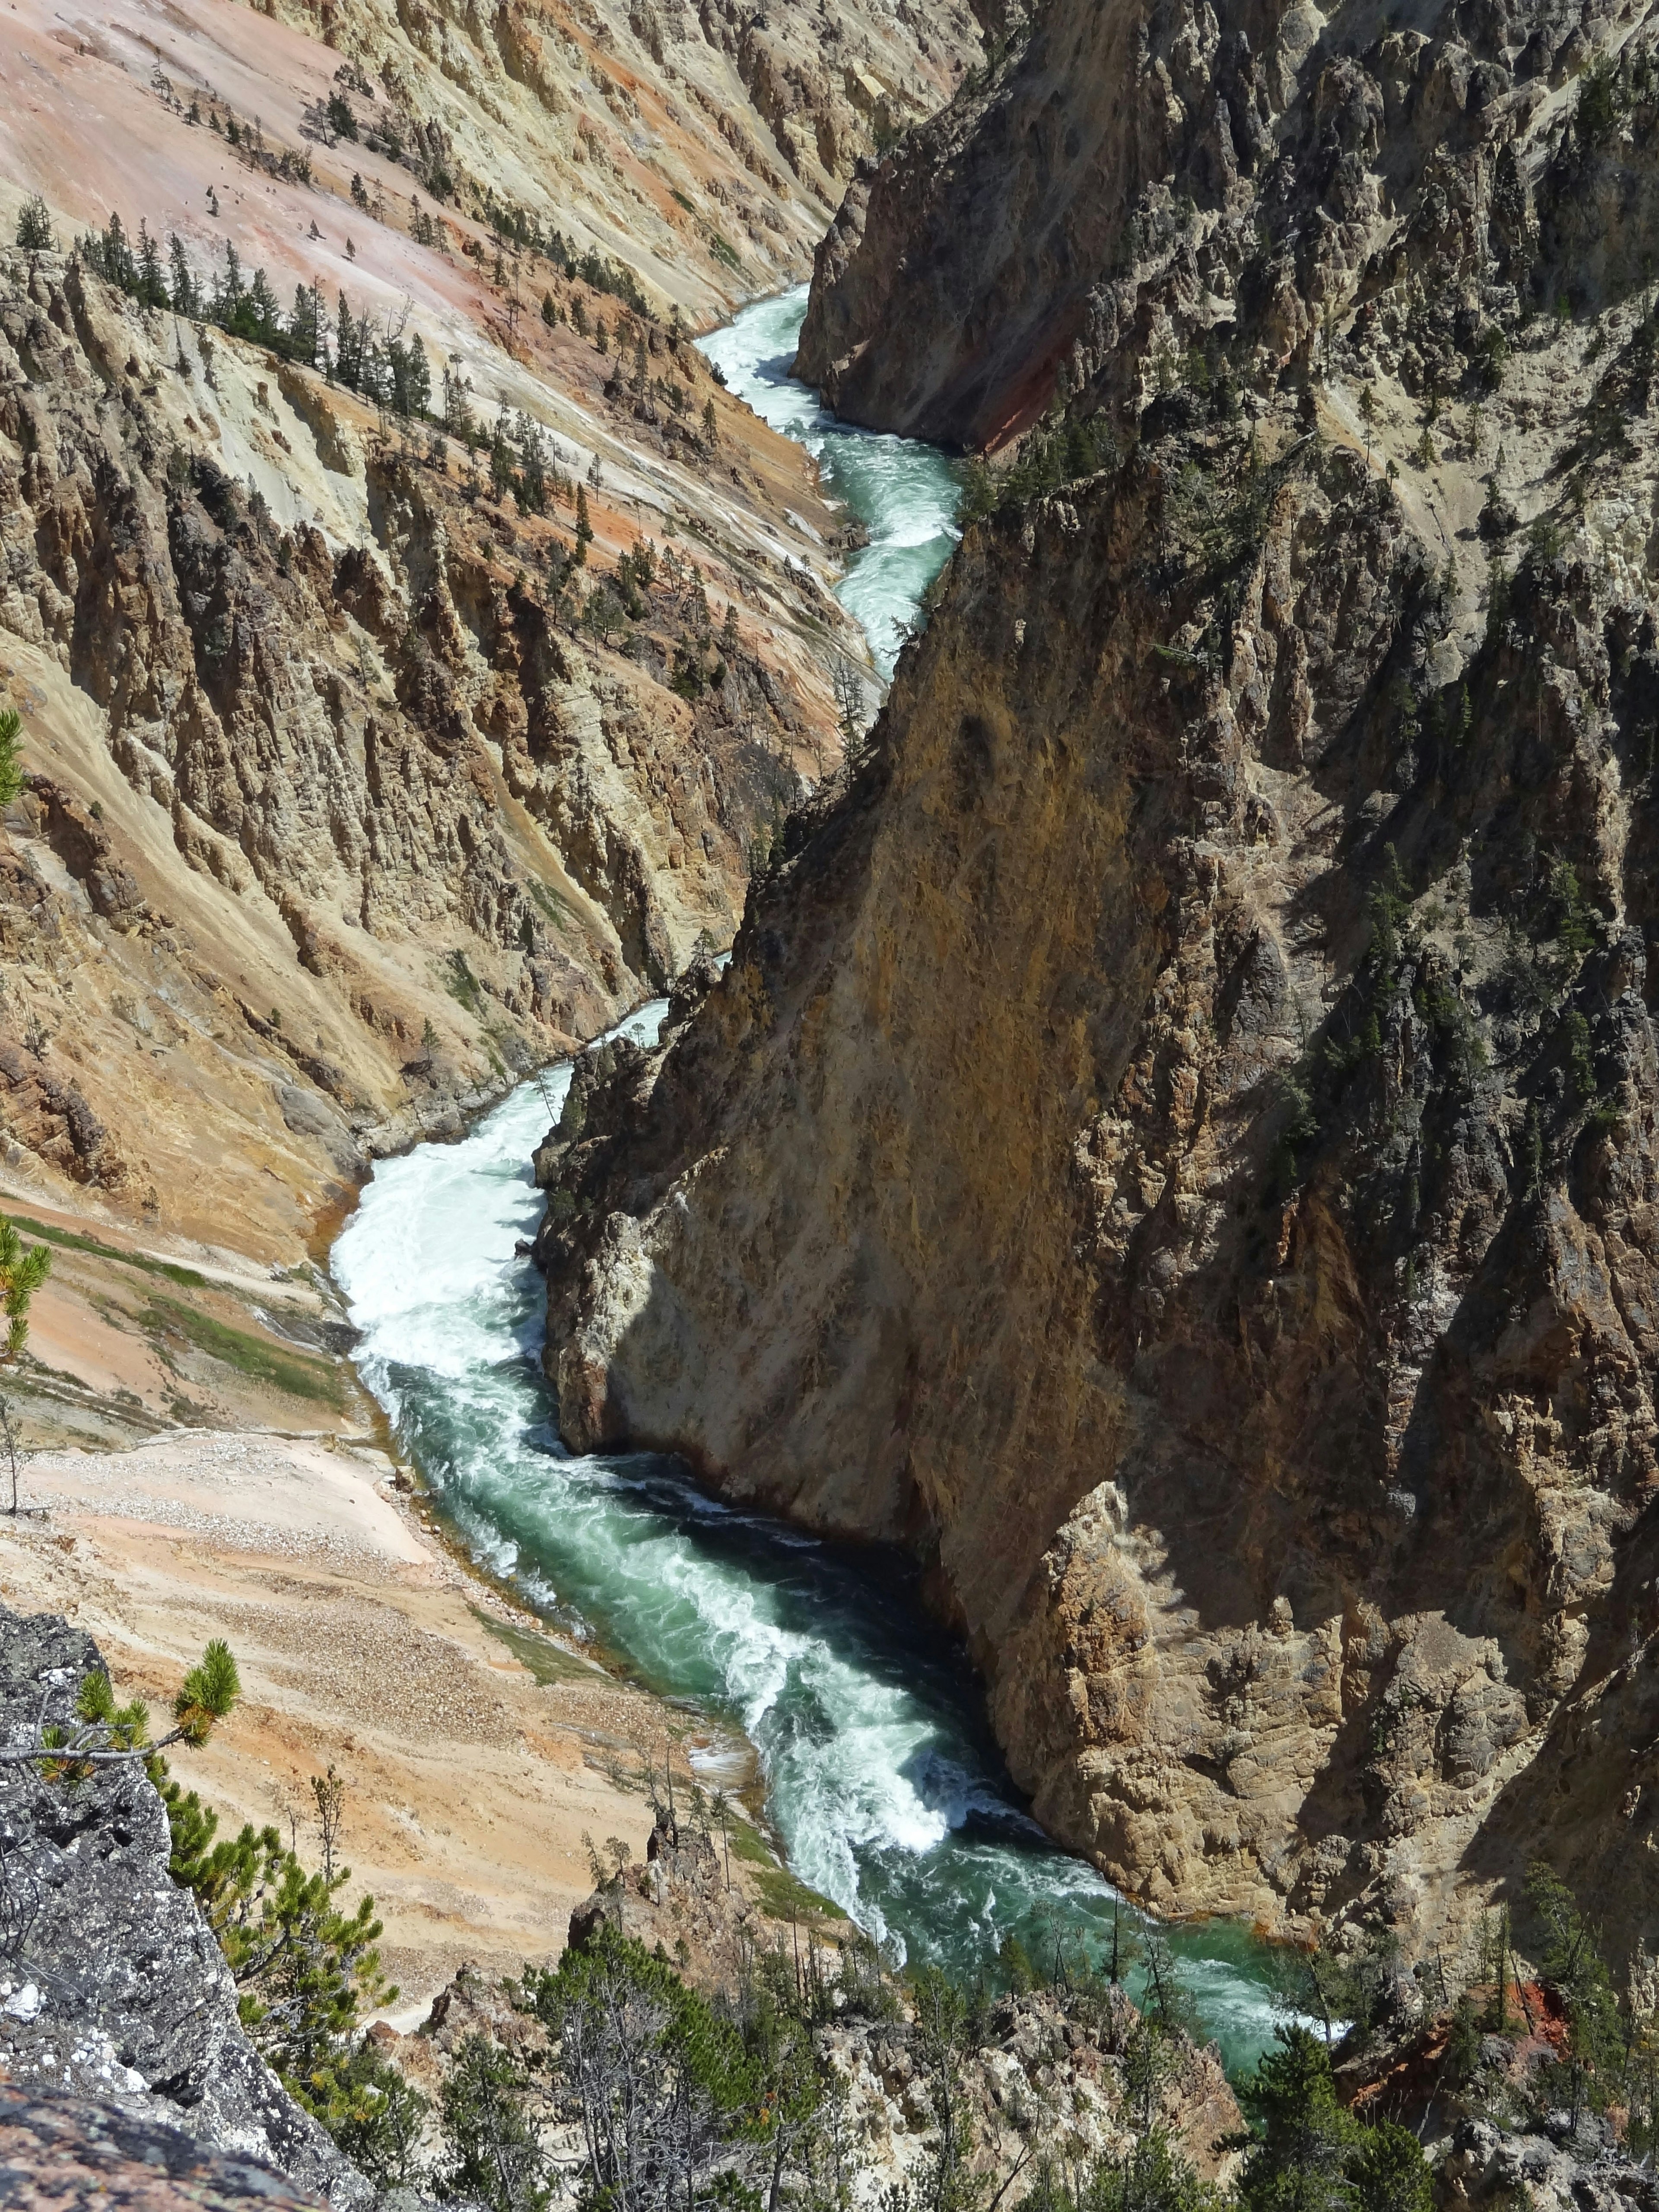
x,y
707,147
1175,1142
1124,181
350,800
1044,2065
333,823
113,1987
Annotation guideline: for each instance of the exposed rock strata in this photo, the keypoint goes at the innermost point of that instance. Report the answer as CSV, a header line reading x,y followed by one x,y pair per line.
x,y
338,829
58,2153
662,126
1048,2066
1175,1142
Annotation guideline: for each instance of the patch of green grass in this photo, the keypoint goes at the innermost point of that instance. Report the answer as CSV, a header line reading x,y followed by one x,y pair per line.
x,y
783,1898
683,200
293,1373
554,909
747,1843
461,983
70,1240
546,1661
723,249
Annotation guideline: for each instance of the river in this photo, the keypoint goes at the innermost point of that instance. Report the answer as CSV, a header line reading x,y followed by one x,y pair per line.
x,y
903,492
880,1777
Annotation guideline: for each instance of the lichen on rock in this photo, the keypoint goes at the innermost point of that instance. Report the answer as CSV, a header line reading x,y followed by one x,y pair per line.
x,y
113,1987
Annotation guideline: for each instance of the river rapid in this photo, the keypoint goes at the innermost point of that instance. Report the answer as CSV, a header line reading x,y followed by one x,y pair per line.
x,y
881,1781
904,493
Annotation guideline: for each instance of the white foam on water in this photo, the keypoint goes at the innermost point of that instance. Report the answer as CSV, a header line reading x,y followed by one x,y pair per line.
x,y
880,1776
878,1783
903,493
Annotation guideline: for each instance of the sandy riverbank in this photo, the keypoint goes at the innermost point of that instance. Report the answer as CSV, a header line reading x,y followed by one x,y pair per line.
x,y
362,1641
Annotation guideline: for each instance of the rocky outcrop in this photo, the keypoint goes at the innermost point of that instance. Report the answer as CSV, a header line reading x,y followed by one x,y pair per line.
x,y
112,1985
711,140
1174,1145
1043,2066
60,2154
1558,2167
1130,180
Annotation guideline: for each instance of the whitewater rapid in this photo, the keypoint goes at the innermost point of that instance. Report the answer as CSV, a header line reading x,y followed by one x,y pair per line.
x,y
904,493
881,1780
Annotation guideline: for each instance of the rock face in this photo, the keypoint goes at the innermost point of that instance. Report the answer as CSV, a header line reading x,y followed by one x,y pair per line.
x,y
1175,1142
112,1986
1485,2165
60,2154
350,802
1049,2065
1133,178
669,125
331,829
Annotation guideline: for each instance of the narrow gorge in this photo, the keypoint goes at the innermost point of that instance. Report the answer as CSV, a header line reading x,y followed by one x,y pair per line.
x,y
1174,1144
844,1096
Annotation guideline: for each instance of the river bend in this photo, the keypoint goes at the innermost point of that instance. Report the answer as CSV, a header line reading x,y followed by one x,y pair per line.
x,y
880,1778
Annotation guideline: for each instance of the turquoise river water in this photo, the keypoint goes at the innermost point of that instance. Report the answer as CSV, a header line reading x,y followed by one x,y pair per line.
x,y
881,1781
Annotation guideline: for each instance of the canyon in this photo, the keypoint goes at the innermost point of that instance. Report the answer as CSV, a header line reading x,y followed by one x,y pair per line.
x,y
338,819
373,756
1158,1129
1173,1144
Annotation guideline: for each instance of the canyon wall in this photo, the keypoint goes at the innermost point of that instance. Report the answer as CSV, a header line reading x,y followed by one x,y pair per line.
x,y
1174,1145
331,825
1120,183
349,799
119,2034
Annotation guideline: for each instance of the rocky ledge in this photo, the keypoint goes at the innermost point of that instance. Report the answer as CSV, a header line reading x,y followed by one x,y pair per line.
x,y
113,1988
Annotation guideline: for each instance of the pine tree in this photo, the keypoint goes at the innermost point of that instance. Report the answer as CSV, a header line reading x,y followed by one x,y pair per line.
x,y
23,1267
1389,2171
1301,2137
261,316
411,375
378,2119
496,2156
118,265
11,765
230,290
657,2085
457,411
532,479
584,526
35,226
1574,1966
186,295
152,285
348,345
501,456
304,324
303,1967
